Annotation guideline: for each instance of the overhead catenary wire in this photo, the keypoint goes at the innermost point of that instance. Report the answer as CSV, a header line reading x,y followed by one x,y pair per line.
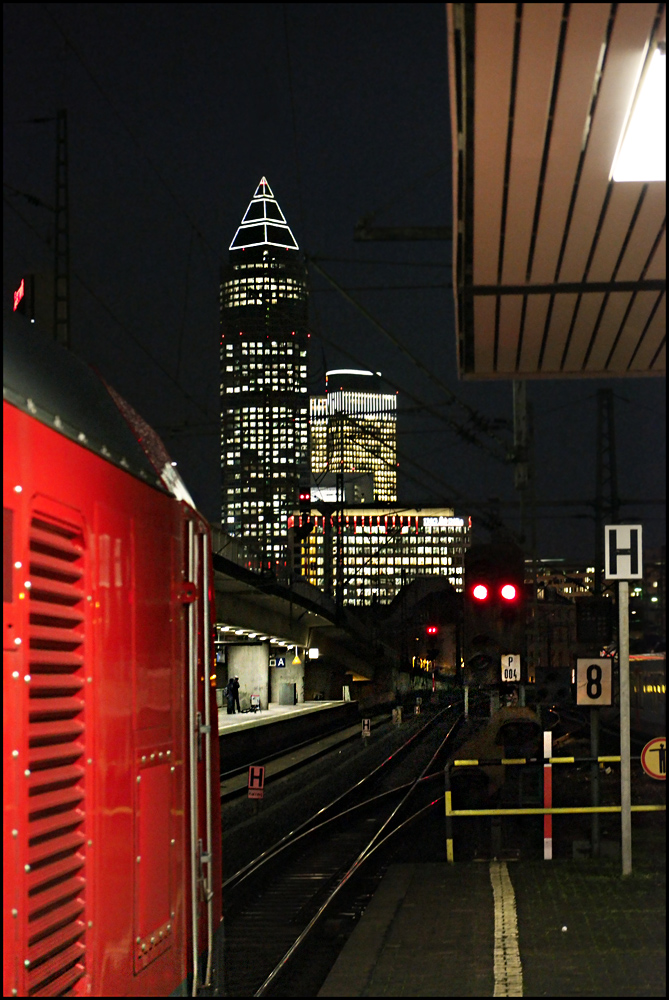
x,y
112,315
480,423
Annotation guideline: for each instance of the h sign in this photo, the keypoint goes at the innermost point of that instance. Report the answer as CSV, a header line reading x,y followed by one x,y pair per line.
x,y
622,552
256,783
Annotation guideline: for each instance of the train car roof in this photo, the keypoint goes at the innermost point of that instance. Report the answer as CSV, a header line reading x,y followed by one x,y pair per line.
x,y
53,385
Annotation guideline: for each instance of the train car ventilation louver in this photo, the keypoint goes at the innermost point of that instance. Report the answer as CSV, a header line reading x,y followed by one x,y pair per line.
x,y
56,871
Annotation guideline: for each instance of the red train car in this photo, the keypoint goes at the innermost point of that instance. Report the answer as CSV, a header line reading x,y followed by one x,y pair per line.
x,y
111,827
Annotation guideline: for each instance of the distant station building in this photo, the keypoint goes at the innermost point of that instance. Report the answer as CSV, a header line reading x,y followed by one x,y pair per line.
x,y
263,384
354,438
379,549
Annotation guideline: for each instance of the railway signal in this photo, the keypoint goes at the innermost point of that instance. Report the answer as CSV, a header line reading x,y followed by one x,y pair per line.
x,y
494,611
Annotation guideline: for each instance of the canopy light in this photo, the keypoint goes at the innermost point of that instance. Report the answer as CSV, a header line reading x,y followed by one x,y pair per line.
x,y
641,153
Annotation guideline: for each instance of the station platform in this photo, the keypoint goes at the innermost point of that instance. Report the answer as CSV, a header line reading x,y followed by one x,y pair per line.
x,y
565,928
241,721
281,738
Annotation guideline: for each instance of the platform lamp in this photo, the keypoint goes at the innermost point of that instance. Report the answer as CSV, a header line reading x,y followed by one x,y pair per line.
x,y
296,658
641,154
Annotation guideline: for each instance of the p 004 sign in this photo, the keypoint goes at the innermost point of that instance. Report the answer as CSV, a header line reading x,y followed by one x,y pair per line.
x,y
511,667
594,681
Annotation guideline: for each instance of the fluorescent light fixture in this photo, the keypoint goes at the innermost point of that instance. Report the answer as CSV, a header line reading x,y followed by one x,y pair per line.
x,y
313,653
641,153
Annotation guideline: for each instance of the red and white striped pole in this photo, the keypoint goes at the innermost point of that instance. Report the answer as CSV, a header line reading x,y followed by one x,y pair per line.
x,y
548,796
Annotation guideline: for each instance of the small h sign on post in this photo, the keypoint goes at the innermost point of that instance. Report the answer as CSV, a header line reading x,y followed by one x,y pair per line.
x,y
622,552
256,783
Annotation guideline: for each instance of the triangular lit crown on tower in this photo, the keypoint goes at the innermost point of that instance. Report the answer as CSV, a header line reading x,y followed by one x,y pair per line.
x,y
264,224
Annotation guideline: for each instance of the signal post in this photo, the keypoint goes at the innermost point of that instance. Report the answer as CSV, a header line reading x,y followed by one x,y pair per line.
x,y
623,562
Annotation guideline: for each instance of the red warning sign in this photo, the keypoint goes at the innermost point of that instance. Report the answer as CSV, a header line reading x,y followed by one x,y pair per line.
x,y
654,758
256,783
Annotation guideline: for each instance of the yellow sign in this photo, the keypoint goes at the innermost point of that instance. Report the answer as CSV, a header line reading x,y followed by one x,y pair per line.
x,y
654,758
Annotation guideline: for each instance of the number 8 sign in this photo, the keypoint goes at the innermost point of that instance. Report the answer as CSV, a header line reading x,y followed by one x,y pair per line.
x,y
594,681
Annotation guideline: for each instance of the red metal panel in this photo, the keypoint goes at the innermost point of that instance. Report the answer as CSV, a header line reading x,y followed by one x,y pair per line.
x,y
107,686
53,826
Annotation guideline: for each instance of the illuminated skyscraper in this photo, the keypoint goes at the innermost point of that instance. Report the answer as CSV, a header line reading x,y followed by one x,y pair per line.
x,y
264,396
354,436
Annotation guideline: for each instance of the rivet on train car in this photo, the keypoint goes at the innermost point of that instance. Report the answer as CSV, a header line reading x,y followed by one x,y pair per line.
x,y
90,680
90,760
160,754
143,756
27,584
153,940
17,641
161,935
27,773
90,843
15,993
26,962
15,753
15,674
169,926
152,756
18,564
15,833
27,678
137,940
139,777
143,946
18,489
138,858
169,752
90,923
172,841
27,868
173,769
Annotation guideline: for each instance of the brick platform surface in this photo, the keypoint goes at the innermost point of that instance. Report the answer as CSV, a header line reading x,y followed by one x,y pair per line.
x,y
428,930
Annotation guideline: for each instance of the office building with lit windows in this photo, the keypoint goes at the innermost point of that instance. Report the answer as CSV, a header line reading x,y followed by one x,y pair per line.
x,y
379,549
264,395
354,436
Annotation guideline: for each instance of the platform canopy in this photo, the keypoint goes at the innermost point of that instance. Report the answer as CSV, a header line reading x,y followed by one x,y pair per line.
x,y
559,269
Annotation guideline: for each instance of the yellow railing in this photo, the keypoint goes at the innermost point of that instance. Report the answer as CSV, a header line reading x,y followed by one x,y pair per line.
x,y
531,810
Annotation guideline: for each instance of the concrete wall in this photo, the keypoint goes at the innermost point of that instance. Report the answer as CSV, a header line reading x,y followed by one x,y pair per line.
x,y
324,679
250,664
286,675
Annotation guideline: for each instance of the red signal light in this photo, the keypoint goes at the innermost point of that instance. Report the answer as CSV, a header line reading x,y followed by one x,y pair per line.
x,y
432,630
508,592
480,592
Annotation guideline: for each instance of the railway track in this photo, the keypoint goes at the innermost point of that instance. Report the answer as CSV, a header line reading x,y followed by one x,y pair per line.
x,y
289,911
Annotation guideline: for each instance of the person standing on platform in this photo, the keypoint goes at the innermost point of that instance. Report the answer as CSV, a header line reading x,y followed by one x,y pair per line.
x,y
230,696
235,689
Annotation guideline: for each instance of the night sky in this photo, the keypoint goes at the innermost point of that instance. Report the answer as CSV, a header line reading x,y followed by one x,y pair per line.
x,y
175,112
